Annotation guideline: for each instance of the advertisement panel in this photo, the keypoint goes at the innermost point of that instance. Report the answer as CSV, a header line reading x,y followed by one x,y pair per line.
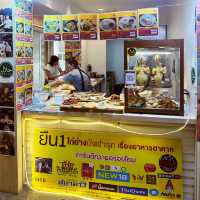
x,y
138,167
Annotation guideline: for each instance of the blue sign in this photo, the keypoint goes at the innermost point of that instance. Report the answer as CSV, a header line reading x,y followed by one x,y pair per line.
x,y
113,176
133,191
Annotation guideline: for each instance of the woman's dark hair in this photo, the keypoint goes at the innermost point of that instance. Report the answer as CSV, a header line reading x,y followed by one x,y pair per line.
x,y
74,63
53,60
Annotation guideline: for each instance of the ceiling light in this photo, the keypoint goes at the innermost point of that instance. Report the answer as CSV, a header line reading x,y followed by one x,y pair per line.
x,y
100,9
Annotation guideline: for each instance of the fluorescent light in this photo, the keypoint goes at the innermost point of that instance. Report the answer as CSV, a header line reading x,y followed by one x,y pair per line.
x,y
100,9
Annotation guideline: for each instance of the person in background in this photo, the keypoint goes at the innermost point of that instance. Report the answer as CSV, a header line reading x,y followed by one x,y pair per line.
x,y
52,70
77,77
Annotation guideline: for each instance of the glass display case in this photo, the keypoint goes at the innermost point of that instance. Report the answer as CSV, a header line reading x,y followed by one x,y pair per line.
x,y
154,77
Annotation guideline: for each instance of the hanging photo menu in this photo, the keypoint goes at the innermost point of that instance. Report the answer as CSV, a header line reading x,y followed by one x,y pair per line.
x,y
70,26
148,21
24,50
52,27
72,52
108,26
127,24
88,26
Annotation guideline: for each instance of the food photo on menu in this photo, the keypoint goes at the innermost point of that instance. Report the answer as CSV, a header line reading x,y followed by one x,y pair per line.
x,y
7,146
7,94
70,26
6,45
6,20
148,20
108,24
7,119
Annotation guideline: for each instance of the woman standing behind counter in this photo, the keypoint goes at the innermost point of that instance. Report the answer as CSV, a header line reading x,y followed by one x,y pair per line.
x,y
52,70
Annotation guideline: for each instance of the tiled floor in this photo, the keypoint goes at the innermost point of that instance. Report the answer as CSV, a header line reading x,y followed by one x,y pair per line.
x,y
27,194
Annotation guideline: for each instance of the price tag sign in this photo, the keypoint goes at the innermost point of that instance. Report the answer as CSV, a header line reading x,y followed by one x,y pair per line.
x,y
130,78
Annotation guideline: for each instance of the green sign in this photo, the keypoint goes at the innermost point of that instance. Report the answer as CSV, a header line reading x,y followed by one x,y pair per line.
x,y
6,69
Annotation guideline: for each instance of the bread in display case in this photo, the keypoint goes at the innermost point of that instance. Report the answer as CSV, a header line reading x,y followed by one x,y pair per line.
x,y
156,72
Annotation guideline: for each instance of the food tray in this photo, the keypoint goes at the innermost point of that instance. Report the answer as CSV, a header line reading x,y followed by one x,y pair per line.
x,y
93,110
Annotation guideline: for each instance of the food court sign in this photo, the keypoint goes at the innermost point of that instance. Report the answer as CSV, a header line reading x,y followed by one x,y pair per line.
x,y
107,166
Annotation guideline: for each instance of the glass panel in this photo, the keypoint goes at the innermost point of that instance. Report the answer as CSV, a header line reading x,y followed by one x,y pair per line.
x,y
157,78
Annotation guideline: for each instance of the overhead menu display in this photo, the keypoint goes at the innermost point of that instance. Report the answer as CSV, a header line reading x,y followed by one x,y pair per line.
x,y
148,21
70,26
108,26
112,25
127,24
105,165
88,26
52,27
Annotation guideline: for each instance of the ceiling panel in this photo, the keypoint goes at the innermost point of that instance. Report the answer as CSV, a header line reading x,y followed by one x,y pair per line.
x,y
115,5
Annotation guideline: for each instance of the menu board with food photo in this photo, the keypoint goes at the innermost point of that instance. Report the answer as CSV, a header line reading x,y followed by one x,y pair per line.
x,y
127,24
88,26
29,74
28,28
108,26
28,94
6,23
52,27
72,52
7,119
148,21
28,47
6,45
70,25
19,5
7,94
20,98
20,28
20,53
7,144
6,71
28,6
20,76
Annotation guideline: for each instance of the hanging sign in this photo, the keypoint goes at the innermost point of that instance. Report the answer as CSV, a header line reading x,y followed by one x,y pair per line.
x,y
72,52
88,26
108,26
125,167
127,24
148,21
52,27
70,26
20,98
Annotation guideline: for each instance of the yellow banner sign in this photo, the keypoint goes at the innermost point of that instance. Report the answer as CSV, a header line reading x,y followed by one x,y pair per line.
x,y
107,165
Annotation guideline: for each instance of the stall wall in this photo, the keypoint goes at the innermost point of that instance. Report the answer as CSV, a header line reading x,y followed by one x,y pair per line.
x,y
180,21
181,24
115,59
94,53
